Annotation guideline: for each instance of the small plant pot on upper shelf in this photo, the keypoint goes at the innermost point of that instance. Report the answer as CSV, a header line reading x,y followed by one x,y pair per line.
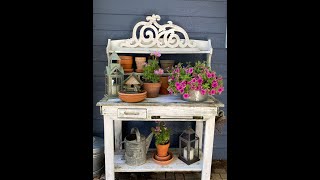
x,y
167,64
126,62
140,61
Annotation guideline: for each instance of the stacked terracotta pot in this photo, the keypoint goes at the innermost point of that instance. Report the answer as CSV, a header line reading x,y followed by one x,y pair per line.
x,y
164,85
126,62
140,62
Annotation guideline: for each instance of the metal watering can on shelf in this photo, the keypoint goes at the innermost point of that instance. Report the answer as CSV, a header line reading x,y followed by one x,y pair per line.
x,y
136,147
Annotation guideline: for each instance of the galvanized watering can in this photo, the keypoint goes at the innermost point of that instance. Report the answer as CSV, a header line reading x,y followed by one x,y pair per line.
x,y
136,147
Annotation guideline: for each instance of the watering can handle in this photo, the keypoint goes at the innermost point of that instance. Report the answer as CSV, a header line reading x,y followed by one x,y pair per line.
x,y
136,130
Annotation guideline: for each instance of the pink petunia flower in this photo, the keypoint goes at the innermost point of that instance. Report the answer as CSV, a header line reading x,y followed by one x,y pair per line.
x,y
203,91
209,75
181,90
190,70
186,95
220,90
193,80
212,92
200,81
214,84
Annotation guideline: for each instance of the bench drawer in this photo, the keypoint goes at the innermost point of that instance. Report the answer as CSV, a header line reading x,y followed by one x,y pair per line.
x,y
134,113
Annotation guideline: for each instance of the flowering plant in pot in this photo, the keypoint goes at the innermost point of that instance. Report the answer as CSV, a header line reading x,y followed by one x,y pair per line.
x,y
162,136
151,76
194,83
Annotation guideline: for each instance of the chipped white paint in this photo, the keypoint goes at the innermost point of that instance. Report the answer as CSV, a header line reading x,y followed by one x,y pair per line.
x,y
199,132
162,36
117,135
150,166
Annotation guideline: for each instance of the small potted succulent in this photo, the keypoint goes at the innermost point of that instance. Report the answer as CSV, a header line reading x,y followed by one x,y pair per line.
x,y
194,83
151,76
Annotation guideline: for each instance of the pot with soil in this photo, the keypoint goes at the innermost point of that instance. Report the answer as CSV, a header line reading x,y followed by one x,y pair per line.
x,y
152,89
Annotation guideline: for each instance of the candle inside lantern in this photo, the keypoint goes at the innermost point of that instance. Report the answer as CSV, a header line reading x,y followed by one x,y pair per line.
x,y
185,153
115,89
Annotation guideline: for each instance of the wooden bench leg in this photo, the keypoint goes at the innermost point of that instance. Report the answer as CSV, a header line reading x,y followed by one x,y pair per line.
x,y
208,148
108,148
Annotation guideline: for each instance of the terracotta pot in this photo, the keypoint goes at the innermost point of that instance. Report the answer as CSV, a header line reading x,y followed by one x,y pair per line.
x,y
132,97
140,62
166,64
152,89
126,62
164,85
162,150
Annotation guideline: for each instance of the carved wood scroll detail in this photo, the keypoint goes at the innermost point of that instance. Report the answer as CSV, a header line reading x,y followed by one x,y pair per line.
x,y
163,36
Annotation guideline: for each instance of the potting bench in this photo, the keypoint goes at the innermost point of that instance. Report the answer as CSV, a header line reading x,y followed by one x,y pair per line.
x,y
162,108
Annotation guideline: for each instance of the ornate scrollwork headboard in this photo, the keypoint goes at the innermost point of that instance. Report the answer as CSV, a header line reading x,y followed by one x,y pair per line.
x,y
156,35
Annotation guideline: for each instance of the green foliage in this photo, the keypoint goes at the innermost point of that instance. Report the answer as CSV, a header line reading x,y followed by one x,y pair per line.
x,y
161,133
148,72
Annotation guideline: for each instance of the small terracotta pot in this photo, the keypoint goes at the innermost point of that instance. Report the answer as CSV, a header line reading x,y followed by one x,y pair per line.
x,y
132,98
162,150
164,85
126,62
140,62
152,89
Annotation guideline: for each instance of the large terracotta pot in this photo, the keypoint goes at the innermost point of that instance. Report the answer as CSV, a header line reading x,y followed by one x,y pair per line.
x,y
126,62
162,150
164,85
140,62
152,89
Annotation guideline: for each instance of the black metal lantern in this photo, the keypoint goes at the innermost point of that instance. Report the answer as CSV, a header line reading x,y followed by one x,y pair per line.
x,y
188,146
114,76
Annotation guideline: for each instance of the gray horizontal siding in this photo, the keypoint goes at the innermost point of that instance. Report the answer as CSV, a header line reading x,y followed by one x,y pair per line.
x,y
168,8
190,24
202,19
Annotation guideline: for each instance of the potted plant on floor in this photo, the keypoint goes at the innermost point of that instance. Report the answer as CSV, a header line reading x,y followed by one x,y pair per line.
x,y
162,136
151,76
195,83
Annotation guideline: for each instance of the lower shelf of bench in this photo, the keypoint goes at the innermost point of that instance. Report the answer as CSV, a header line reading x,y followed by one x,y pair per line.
x,y
151,166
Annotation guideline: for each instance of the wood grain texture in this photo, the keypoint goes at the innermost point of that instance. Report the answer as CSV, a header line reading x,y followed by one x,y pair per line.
x,y
208,148
190,24
163,8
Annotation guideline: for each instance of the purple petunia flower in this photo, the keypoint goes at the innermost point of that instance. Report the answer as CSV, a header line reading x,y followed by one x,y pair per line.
x,y
190,70
200,80
209,75
193,80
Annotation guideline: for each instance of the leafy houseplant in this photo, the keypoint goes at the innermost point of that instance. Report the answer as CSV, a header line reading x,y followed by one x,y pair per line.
x,y
151,76
196,80
162,136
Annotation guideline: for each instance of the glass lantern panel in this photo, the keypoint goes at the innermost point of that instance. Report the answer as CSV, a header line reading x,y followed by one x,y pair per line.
x,y
194,149
183,146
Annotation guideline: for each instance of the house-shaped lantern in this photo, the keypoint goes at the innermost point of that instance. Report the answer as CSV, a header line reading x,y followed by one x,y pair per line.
x,y
189,146
132,84
114,76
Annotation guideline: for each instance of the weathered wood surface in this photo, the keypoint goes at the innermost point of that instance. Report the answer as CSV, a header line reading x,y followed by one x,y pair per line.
x,y
150,166
109,148
162,100
208,148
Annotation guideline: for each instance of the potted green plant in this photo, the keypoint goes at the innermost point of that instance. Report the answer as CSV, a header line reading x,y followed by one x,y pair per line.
x,y
151,76
195,83
162,137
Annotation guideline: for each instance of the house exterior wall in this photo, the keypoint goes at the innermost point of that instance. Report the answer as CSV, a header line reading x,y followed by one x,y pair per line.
x,y
202,19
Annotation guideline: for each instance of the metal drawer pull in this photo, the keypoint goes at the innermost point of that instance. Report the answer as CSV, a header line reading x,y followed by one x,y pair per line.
x,y
131,113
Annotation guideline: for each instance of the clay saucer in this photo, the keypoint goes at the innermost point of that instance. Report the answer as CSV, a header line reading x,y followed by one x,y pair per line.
x,y
163,162
164,158
132,97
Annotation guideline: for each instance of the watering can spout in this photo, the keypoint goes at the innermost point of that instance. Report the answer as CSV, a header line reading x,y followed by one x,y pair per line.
x,y
148,141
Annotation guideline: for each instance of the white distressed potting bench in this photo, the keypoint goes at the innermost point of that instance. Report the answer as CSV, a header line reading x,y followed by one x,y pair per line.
x,y
164,107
